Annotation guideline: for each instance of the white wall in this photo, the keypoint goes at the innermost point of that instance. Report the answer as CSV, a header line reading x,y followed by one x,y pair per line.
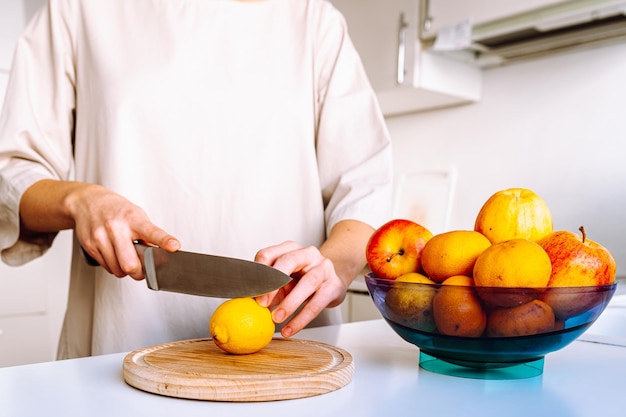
x,y
554,125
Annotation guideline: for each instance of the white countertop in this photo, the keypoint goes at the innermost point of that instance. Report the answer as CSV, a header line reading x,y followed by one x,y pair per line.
x,y
583,379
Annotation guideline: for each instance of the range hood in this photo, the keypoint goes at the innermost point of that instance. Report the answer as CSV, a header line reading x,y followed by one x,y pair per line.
x,y
562,27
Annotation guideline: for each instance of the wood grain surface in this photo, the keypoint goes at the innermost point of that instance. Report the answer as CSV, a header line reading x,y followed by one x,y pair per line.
x,y
198,369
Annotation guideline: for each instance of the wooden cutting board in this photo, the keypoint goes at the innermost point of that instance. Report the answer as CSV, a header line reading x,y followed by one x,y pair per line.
x,y
198,369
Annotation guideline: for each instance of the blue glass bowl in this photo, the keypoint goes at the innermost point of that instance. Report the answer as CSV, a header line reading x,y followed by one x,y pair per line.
x,y
486,356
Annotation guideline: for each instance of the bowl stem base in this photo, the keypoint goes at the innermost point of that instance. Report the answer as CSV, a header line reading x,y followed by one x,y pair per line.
x,y
497,372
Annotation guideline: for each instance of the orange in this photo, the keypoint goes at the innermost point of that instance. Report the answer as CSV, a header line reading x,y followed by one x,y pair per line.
x,y
452,253
514,213
533,317
461,280
241,326
458,311
513,263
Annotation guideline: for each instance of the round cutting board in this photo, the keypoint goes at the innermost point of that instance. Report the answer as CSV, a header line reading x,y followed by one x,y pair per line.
x,y
198,369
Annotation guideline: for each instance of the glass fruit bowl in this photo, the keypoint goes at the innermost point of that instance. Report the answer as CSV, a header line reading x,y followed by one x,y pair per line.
x,y
487,332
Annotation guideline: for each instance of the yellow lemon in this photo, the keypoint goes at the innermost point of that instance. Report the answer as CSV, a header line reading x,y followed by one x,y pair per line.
x,y
452,253
514,213
513,263
241,326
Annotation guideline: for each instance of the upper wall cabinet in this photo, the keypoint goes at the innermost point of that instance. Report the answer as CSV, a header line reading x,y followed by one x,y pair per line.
x,y
407,77
489,33
439,14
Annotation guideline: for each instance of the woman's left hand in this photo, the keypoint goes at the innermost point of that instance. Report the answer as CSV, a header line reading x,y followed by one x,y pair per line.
x,y
315,284
320,276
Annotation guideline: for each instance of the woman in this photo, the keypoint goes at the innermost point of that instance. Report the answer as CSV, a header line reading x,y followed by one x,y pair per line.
x,y
215,126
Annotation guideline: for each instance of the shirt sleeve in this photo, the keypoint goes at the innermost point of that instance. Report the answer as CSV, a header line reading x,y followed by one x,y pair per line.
x,y
353,144
36,124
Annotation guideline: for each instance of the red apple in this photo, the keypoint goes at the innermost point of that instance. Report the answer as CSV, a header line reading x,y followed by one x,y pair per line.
x,y
395,248
576,262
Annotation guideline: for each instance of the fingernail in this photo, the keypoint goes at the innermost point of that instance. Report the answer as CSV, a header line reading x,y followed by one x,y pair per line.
x,y
278,315
287,331
174,244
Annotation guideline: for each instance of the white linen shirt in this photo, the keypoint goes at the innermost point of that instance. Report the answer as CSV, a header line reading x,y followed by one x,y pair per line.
x,y
235,125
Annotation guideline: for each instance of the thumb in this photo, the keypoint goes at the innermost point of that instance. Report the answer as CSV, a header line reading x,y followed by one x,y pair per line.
x,y
162,239
171,244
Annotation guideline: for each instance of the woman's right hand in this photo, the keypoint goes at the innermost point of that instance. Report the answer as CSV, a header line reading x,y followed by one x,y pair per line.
x,y
106,224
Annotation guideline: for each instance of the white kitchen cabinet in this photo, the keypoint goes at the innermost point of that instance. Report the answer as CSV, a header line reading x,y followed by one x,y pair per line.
x,y
358,304
32,296
21,340
406,77
439,14
22,289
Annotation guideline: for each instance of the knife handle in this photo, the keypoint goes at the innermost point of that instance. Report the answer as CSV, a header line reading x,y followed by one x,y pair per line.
x,y
92,262
141,252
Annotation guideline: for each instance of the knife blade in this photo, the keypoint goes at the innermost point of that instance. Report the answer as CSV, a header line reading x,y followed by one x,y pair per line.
x,y
205,275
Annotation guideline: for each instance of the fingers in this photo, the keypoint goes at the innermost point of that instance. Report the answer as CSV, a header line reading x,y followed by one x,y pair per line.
x,y
318,289
269,255
108,224
316,286
115,250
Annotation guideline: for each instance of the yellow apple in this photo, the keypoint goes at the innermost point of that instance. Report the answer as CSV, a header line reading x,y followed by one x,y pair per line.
x,y
410,301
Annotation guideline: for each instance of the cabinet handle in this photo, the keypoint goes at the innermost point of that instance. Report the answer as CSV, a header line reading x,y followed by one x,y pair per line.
x,y
428,19
401,49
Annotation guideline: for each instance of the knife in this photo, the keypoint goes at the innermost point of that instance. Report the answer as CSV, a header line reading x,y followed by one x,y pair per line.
x,y
205,275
